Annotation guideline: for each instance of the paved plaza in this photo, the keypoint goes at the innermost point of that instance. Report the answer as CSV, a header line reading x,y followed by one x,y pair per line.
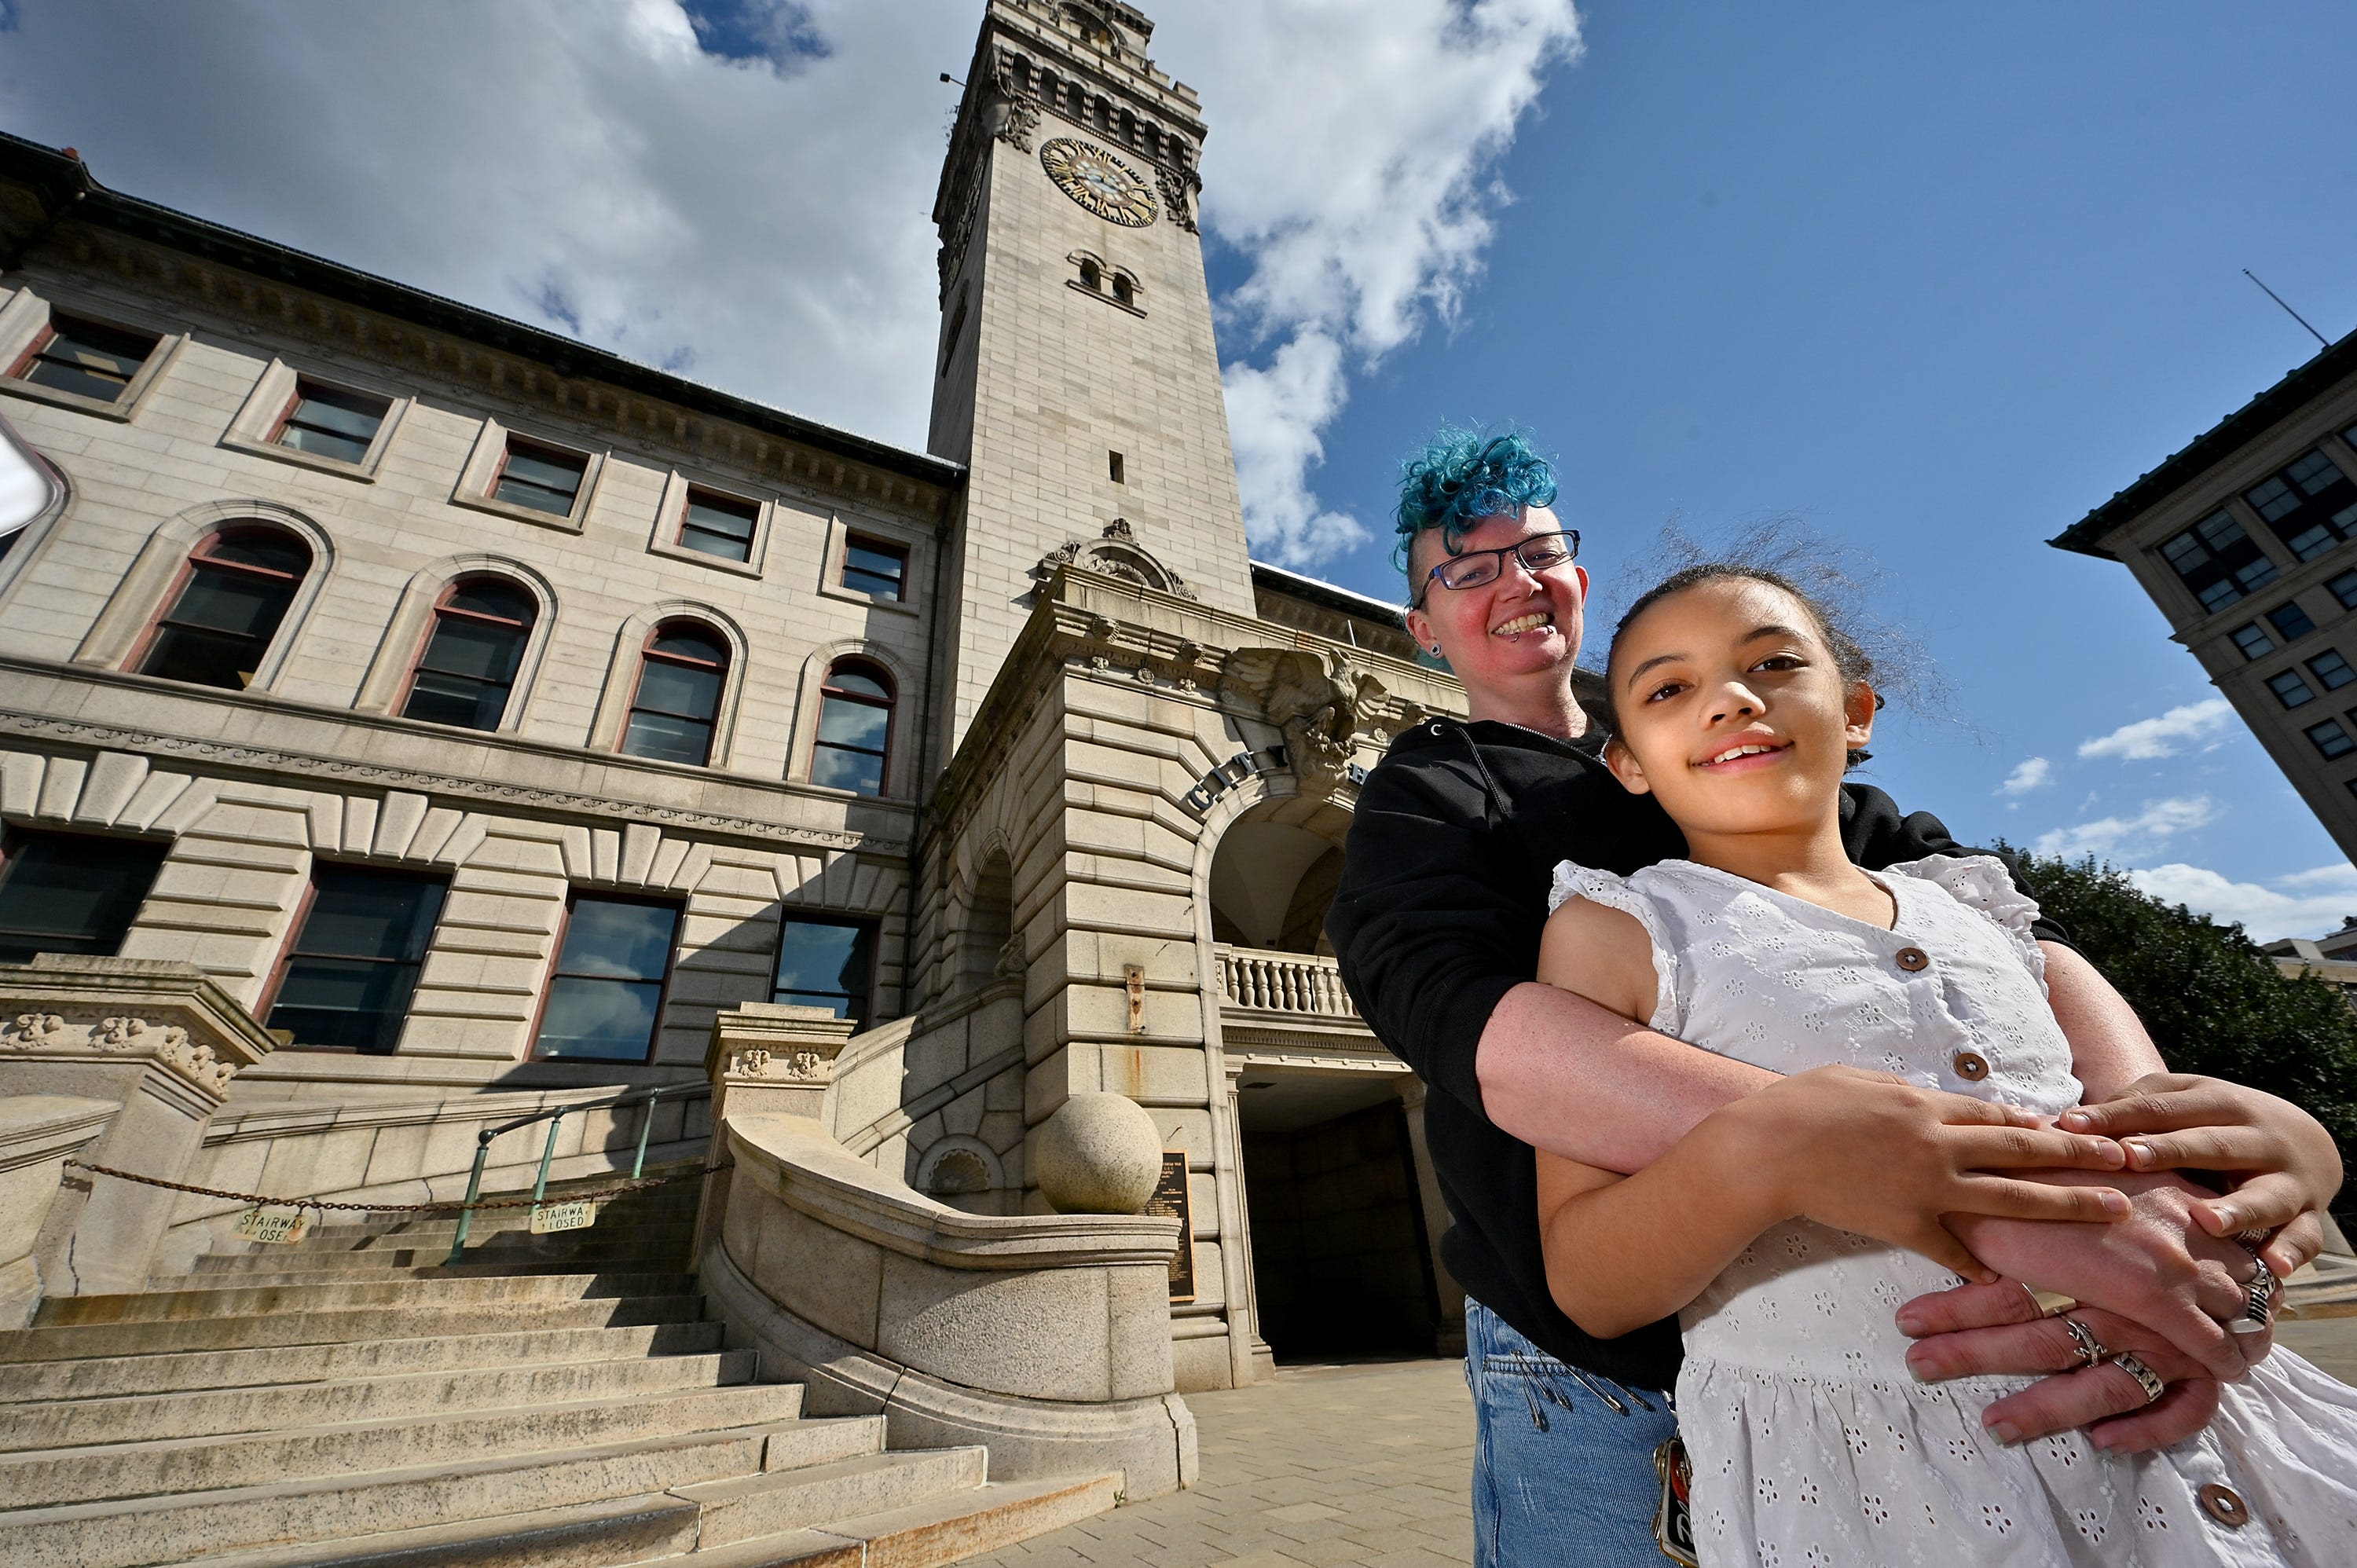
x,y
1364,1464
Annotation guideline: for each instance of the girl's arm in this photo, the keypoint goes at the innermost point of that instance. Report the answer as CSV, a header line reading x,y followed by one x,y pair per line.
x,y
1624,1252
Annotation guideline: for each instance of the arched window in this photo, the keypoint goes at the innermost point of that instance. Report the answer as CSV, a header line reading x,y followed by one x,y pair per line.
x,y
678,702
219,623
1092,275
468,667
1123,289
854,727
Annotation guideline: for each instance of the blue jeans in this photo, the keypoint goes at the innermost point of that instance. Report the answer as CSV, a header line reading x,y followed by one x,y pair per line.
x,y
1560,1478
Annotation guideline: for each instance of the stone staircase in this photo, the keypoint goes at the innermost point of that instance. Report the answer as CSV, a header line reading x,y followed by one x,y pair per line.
x,y
553,1401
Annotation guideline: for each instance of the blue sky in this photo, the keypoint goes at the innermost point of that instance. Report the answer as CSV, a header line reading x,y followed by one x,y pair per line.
x,y
1934,280
1937,290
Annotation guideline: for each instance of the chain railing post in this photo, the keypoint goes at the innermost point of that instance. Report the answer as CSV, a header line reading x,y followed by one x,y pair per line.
x,y
645,1127
547,1153
474,1190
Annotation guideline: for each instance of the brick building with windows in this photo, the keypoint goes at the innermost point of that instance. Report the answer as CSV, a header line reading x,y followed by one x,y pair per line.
x,y
500,723
2247,542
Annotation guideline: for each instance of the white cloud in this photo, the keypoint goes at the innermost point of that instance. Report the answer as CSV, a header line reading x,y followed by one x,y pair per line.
x,y
1352,162
2322,897
762,222
2159,822
584,167
2035,773
2179,729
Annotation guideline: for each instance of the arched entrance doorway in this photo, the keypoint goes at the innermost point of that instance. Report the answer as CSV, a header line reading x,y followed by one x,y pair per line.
x,y
1336,1207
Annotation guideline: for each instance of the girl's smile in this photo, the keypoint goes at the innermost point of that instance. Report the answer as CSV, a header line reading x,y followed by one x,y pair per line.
x,y
1731,709
1748,755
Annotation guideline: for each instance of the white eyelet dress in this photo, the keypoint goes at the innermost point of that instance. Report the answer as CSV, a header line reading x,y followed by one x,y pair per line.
x,y
1810,1443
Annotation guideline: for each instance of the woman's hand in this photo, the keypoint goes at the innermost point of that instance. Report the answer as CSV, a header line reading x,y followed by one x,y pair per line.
x,y
1983,1329
1872,1154
2160,1269
2289,1167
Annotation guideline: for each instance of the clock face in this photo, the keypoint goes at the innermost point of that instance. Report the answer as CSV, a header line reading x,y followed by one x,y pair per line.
x,y
1099,181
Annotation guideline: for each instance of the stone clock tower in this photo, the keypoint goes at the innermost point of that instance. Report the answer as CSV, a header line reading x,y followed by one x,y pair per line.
x,y
1077,377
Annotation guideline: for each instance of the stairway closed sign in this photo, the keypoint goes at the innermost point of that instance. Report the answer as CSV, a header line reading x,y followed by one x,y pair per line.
x,y
278,1226
578,1215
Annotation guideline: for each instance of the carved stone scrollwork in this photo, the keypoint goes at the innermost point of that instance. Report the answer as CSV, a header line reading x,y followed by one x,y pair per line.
x,y
1178,190
757,1062
31,1031
166,1043
1323,702
1117,554
1022,119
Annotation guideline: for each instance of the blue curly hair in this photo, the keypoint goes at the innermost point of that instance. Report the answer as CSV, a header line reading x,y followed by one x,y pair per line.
x,y
1463,476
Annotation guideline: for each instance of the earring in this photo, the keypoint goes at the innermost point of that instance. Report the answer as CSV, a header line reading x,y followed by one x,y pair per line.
x,y
1436,650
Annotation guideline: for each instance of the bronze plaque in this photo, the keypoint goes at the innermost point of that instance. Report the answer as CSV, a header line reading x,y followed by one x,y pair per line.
x,y
1170,1198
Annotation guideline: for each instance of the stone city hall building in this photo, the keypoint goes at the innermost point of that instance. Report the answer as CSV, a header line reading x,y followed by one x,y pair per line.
x,y
2246,541
423,735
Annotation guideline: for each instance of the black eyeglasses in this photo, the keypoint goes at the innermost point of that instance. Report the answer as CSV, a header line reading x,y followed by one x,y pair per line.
x,y
1475,567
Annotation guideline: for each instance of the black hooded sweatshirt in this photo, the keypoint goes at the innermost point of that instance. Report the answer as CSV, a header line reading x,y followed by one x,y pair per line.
x,y
1451,855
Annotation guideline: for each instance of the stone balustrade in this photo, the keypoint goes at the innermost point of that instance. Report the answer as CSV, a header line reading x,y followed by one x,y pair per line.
x,y
1265,981
1046,1338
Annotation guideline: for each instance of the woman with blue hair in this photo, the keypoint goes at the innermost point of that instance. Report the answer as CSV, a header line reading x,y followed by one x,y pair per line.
x,y
1437,926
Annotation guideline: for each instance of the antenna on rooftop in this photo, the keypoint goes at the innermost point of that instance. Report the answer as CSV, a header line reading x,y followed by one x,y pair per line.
x,y
2294,315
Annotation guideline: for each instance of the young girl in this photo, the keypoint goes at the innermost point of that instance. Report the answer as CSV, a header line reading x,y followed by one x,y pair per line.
x,y
1738,705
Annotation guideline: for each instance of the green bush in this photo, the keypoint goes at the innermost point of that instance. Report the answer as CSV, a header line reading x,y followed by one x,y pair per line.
x,y
2214,1003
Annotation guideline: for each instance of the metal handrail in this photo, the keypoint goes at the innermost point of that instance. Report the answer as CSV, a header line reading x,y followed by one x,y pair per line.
x,y
556,1120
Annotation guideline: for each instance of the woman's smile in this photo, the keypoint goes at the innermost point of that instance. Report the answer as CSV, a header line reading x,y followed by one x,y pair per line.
x,y
1536,620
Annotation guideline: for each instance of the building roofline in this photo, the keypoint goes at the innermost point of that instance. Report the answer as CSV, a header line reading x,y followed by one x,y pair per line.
x,y
2331,364
1328,596
67,189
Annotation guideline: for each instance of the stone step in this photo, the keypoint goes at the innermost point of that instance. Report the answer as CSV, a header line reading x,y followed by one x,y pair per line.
x,y
353,1324
102,1377
339,1508
743,1507
670,1245
658,1528
327,1272
940,1530
231,1301
56,1477
135,1418
493,1223
678,1198
654,1527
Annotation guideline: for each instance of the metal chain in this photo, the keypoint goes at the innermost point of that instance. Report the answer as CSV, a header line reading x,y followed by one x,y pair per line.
x,y
640,1184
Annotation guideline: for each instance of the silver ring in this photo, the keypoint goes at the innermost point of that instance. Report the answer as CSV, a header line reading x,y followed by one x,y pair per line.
x,y
2146,1378
2085,1346
2258,1308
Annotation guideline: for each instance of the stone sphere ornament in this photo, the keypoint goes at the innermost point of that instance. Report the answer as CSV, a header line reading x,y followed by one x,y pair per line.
x,y
1099,1154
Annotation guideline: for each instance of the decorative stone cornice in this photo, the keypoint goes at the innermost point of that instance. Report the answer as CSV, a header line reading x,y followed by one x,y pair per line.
x,y
773,1058
489,788
85,1011
1086,624
1117,554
